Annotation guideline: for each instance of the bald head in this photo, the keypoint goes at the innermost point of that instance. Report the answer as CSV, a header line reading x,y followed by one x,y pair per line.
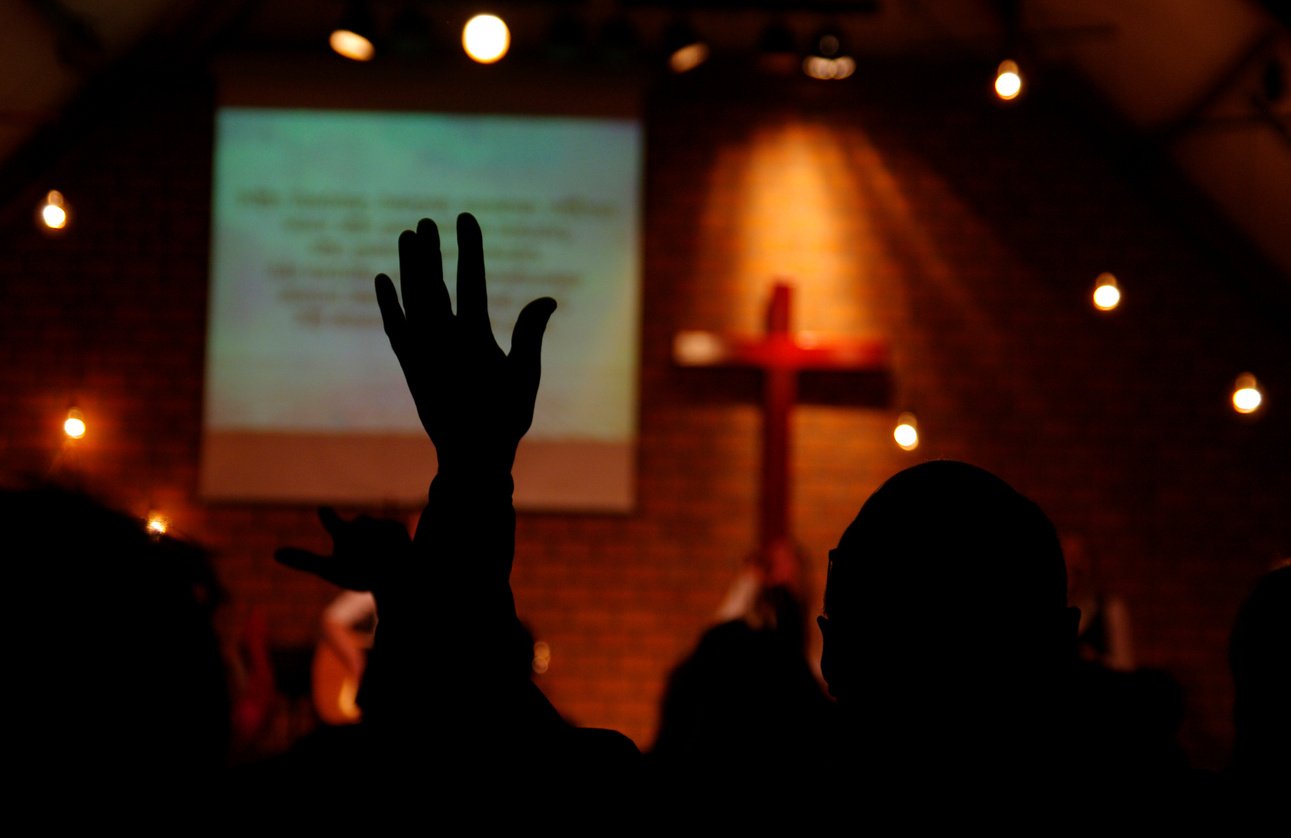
x,y
945,567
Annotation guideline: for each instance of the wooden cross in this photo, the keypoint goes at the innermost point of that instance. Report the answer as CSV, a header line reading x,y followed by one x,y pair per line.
x,y
780,356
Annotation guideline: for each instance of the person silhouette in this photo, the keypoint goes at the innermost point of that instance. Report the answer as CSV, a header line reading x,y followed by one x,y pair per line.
x,y
1260,658
441,681
947,634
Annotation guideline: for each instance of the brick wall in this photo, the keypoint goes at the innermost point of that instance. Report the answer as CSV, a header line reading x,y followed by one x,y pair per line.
x,y
963,234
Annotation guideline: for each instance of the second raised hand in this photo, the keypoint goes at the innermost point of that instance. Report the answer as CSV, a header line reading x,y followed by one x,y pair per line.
x,y
474,400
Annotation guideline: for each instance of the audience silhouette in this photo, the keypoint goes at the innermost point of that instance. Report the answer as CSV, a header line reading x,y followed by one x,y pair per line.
x,y
120,692
949,644
1260,657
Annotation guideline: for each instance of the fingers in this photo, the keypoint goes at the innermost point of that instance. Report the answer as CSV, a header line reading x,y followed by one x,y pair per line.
x,y
421,278
526,347
531,325
330,520
396,327
472,297
324,567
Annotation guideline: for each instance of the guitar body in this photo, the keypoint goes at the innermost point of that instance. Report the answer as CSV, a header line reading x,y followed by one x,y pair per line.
x,y
335,687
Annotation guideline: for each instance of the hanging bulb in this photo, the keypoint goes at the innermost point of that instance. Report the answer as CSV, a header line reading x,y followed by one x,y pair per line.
x,y
1107,293
54,212
906,433
486,38
1247,397
74,424
1008,80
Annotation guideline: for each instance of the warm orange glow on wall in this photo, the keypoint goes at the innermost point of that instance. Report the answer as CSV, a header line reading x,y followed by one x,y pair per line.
x,y
795,219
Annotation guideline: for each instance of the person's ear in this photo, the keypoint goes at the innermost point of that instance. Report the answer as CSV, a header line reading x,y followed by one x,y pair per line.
x,y
828,652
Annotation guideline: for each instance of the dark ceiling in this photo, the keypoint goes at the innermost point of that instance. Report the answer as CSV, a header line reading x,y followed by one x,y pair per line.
x,y
1201,83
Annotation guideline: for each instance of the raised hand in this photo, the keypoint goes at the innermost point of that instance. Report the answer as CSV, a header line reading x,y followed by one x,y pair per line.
x,y
474,400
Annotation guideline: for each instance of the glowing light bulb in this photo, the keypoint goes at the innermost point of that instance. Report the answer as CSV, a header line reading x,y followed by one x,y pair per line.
x,y
1107,294
157,523
1008,80
828,69
486,38
1247,397
541,657
74,424
688,57
53,213
906,433
351,45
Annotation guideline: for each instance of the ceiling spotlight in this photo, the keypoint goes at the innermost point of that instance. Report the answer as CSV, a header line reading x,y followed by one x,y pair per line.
x,y
1008,80
352,37
686,50
1107,293
828,59
486,38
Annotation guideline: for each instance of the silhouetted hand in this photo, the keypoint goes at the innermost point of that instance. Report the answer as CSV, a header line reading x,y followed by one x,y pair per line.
x,y
366,552
474,401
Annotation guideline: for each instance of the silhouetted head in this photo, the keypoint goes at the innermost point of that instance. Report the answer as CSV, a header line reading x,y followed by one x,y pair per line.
x,y
1260,656
947,595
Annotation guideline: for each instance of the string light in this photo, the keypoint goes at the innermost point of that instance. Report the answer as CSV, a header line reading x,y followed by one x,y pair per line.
x,y
1008,80
1247,397
906,433
486,38
1107,293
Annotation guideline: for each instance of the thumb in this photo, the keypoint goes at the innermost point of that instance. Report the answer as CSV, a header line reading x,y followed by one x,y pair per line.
x,y
526,342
